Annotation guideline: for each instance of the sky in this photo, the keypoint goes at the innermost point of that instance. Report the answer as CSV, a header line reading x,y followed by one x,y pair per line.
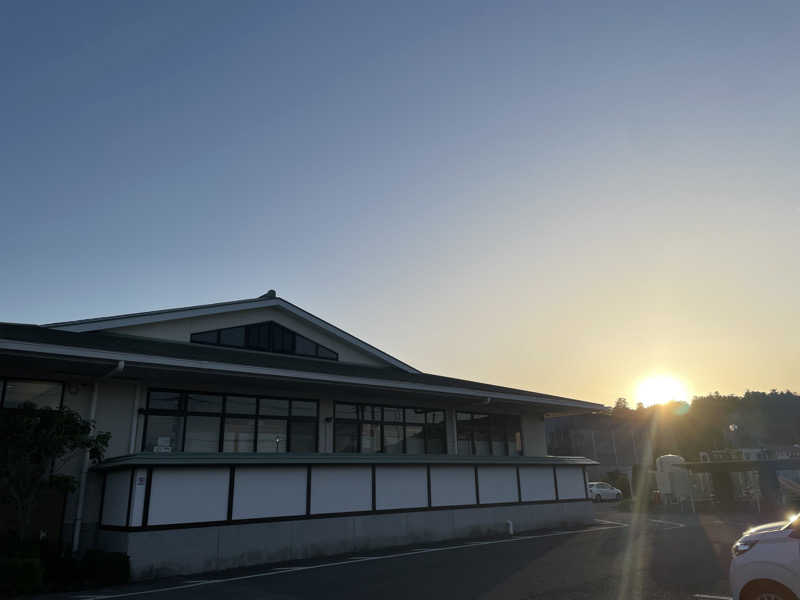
x,y
566,197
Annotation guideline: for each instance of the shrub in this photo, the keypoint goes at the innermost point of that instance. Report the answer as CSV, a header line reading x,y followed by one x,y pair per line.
x,y
20,575
106,568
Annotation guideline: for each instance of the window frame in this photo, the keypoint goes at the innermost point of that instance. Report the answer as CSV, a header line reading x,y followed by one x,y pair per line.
x,y
4,381
491,426
273,329
183,413
380,422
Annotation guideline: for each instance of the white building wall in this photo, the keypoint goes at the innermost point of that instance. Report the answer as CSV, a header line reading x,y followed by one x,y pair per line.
x,y
401,486
261,492
180,495
337,489
571,484
497,484
536,483
452,485
115,505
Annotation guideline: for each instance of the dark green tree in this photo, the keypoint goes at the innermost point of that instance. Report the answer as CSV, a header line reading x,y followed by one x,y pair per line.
x,y
35,444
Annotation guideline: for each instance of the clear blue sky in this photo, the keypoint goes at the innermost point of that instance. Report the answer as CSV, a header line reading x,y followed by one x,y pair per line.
x,y
563,196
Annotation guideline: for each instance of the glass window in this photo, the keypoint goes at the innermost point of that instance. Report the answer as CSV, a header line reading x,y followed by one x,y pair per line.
x,y
415,439
164,433
392,438
346,411
392,415
370,438
281,339
302,408
257,336
415,415
346,437
271,435
240,405
517,443
435,438
480,427
232,336
41,393
303,436
240,435
165,400
435,416
274,407
498,433
304,346
323,352
205,337
370,413
265,337
404,430
464,427
203,403
202,434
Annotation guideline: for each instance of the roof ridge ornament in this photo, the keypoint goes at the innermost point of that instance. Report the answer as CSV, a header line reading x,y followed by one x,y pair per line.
x,y
269,295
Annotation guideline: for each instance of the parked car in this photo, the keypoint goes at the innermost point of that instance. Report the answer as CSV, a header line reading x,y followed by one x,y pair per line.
x,y
766,562
600,490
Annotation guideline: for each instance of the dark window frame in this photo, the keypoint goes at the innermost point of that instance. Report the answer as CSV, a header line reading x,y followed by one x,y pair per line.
x,y
510,421
278,338
5,380
380,422
183,413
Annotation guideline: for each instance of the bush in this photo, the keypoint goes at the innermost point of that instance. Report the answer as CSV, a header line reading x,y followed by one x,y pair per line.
x,y
20,575
62,572
106,568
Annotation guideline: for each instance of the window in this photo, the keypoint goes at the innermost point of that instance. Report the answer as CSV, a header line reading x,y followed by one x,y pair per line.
x,y
14,392
268,336
164,433
201,434
369,429
240,435
195,422
485,435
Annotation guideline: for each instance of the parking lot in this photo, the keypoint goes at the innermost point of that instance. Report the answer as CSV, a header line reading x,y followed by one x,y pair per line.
x,y
620,556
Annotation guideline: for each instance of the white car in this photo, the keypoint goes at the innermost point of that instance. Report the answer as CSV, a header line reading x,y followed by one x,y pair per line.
x,y
600,490
766,562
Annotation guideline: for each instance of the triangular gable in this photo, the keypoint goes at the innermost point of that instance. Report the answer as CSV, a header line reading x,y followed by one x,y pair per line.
x,y
179,324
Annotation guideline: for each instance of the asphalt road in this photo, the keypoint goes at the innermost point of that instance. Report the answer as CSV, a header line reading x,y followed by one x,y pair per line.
x,y
621,556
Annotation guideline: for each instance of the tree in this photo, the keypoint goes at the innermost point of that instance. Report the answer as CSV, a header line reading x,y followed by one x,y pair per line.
x,y
35,444
620,405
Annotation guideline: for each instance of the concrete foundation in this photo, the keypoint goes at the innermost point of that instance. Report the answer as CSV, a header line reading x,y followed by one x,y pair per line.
x,y
158,553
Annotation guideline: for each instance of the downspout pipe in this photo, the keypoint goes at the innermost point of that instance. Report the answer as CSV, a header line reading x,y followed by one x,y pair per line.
x,y
76,531
134,418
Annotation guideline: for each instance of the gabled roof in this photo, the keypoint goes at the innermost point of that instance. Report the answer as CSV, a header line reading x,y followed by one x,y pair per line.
x,y
37,340
268,300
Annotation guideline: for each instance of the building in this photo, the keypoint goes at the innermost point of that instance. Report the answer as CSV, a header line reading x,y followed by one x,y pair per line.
x,y
252,431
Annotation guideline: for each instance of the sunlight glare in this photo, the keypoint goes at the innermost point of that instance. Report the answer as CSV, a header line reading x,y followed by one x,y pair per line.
x,y
658,389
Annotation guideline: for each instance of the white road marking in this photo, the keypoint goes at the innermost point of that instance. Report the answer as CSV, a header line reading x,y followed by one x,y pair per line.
x,y
352,561
711,597
612,522
673,523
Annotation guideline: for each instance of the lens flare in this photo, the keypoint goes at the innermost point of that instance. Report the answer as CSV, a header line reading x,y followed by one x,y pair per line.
x,y
658,389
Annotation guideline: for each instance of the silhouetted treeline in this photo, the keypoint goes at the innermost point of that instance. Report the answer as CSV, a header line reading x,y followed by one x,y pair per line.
x,y
712,422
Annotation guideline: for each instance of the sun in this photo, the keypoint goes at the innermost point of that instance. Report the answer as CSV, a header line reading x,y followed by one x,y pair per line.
x,y
658,389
